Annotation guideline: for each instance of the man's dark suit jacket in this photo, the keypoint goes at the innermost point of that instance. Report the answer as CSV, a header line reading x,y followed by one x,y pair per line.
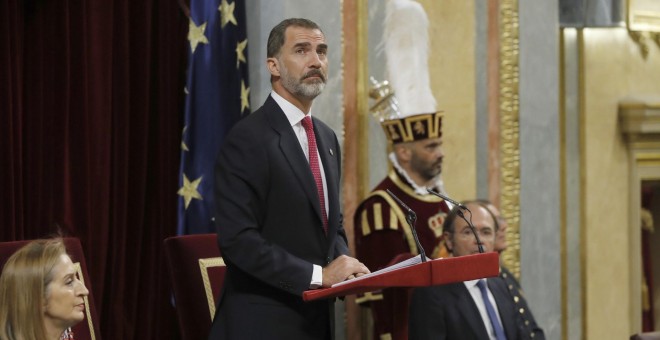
x,y
270,229
449,312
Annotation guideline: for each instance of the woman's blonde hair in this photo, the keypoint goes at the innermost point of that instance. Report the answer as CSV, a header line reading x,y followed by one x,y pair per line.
x,y
23,284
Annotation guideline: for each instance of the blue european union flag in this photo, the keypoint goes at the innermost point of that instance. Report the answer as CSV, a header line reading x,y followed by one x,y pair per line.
x,y
217,95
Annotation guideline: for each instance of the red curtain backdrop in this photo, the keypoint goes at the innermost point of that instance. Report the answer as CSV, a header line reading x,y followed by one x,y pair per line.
x,y
91,103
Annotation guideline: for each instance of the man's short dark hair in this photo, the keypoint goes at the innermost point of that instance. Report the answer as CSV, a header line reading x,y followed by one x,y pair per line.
x,y
448,225
277,34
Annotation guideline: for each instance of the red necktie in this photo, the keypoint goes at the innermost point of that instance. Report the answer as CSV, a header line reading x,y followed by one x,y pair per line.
x,y
316,168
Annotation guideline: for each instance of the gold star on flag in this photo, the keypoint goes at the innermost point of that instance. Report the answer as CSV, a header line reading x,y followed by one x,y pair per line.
x,y
227,13
196,35
240,56
184,147
189,190
245,92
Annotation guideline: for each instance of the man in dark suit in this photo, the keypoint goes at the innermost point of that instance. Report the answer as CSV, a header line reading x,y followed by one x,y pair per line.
x,y
525,319
278,215
477,309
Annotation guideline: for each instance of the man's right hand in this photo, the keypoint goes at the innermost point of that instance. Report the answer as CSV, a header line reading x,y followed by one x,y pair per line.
x,y
341,269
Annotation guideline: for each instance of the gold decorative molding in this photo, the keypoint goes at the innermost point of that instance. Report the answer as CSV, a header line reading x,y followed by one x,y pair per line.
x,y
204,265
509,131
655,36
355,22
643,15
650,159
643,22
639,120
640,39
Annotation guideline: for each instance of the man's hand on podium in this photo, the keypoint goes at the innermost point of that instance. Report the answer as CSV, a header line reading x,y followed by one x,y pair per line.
x,y
341,269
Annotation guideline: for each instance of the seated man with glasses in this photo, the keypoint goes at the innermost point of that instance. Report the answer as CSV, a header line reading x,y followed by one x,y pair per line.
x,y
477,309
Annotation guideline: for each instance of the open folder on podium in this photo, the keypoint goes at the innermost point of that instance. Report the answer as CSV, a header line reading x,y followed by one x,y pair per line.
x,y
415,274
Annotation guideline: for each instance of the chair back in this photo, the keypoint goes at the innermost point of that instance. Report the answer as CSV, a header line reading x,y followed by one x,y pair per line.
x,y
88,329
197,272
646,336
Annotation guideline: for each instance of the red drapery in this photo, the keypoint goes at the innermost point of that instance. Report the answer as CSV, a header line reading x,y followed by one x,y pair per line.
x,y
91,100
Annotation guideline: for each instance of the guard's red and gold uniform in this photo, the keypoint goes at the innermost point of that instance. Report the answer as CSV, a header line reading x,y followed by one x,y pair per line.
x,y
382,234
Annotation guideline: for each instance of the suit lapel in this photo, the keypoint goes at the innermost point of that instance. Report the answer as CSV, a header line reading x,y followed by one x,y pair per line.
x,y
293,153
504,305
469,310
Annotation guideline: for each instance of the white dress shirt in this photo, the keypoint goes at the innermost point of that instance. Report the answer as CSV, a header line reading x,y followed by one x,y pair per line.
x,y
476,296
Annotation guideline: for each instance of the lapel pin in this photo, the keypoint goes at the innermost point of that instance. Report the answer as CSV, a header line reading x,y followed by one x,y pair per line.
x,y
331,153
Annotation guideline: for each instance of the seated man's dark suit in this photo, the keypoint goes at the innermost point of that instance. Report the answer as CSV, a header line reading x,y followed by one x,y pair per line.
x,y
270,229
449,312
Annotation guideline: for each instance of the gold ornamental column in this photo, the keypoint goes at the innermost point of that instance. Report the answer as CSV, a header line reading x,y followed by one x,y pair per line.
x,y
355,172
510,130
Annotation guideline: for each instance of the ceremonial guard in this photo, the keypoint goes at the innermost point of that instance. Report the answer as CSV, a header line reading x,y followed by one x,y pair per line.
x,y
406,110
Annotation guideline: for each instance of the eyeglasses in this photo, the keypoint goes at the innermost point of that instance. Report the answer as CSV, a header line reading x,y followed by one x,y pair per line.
x,y
484,233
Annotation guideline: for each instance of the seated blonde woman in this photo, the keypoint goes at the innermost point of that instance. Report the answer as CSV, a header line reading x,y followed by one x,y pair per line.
x,y
40,293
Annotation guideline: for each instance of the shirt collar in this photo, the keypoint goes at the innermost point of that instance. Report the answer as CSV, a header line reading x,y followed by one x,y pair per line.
x,y
472,283
292,113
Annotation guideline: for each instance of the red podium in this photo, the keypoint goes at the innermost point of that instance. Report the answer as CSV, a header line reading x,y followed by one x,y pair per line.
x,y
429,273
